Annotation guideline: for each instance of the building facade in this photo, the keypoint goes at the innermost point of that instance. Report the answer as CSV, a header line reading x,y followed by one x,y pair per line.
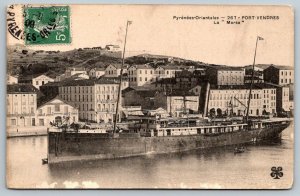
x,y
96,72
41,80
224,76
234,101
139,75
281,75
56,111
21,101
96,100
114,70
70,71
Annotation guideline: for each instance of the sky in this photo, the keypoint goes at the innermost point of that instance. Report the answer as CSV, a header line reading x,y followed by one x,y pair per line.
x,y
154,31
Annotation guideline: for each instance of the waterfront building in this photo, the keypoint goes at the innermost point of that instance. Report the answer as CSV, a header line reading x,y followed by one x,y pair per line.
x,y
278,74
56,111
41,80
95,99
21,103
233,100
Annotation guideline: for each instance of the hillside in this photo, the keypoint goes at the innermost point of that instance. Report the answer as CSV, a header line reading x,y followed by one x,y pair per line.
x,y
24,62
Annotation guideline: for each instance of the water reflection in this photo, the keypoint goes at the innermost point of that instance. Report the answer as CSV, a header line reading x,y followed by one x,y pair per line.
x,y
214,168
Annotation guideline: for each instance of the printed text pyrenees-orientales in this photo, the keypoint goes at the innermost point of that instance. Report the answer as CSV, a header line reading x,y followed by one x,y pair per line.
x,y
217,17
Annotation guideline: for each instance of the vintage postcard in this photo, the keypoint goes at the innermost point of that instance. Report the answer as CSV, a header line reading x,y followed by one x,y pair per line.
x,y
150,97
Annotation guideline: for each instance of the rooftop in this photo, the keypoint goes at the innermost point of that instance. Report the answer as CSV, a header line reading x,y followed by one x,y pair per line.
x,y
245,86
88,82
117,65
47,100
283,67
144,66
76,68
21,89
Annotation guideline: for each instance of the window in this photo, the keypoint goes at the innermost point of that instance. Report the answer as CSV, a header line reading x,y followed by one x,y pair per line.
x,y
13,122
146,79
41,122
57,108
66,110
48,110
37,82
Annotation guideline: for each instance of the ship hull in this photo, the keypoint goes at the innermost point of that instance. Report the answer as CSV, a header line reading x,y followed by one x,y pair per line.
x,y
64,146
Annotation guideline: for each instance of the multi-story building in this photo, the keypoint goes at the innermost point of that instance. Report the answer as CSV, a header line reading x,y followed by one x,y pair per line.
x,y
234,100
224,75
283,99
56,111
11,79
21,101
280,75
114,70
41,80
96,100
139,75
96,72
168,71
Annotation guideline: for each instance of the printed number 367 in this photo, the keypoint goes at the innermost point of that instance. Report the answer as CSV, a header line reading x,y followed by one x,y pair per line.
x,y
60,36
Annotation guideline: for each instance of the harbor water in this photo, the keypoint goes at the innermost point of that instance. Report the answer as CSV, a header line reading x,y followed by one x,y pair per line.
x,y
214,168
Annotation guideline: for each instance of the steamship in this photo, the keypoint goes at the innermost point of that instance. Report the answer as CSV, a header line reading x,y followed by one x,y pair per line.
x,y
145,135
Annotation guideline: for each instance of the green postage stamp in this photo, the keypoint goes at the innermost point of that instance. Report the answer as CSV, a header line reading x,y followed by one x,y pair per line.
x,y
47,25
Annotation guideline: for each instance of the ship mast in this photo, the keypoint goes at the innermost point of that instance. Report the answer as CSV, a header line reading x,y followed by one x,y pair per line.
x,y
252,77
120,84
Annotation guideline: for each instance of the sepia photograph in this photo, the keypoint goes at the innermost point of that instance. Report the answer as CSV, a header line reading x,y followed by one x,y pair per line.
x,y
149,96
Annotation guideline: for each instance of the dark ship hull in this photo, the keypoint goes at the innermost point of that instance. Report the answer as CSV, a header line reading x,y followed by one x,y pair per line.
x,y
70,146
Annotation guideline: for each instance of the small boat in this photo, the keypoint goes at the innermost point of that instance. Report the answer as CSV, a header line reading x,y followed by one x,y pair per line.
x,y
45,161
239,150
